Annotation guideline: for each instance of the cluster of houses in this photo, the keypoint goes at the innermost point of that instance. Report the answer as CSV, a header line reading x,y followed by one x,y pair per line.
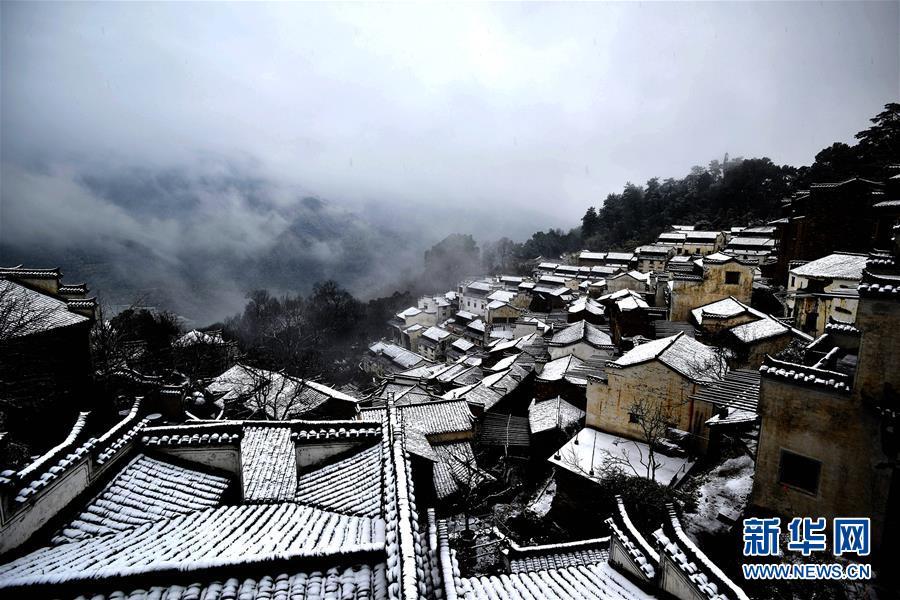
x,y
258,485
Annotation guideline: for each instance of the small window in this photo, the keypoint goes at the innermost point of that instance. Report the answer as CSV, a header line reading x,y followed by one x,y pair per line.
x,y
793,281
633,418
799,472
732,277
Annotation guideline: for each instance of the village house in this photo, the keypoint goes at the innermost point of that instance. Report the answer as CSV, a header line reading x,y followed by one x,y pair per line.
x,y
653,257
591,259
272,395
829,421
433,343
658,378
582,339
620,260
386,358
408,324
439,308
823,290
714,277
702,243
629,314
587,309
502,316
675,239
754,244
632,280
746,332
45,354
473,296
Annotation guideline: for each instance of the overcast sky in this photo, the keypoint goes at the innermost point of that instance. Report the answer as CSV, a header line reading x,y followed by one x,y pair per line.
x,y
548,106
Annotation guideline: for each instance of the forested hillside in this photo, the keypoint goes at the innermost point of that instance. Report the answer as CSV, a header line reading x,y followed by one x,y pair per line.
x,y
722,194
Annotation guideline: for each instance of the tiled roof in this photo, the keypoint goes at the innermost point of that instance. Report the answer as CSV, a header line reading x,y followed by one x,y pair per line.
x,y
739,389
720,309
804,375
228,535
268,464
496,429
278,395
433,418
352,485
834,266
457,467
679,352
582,331
759,330
555,413
146,490
436,334
557,556
399,356
32,312
596,581
357,582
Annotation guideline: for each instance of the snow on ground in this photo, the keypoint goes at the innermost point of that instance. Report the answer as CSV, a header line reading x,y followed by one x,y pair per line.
x,y
542,502
725,489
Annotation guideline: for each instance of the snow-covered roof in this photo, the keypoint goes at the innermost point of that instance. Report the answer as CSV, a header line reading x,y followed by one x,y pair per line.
x,y
702,236
146,490
582,331
671,236
430,418
502,296
751,241
552,279
759,330
619,256
268,464
590,451
221,536
27,311
352,485
477,325
398,355
585,581
555,413
839,265
720,309
587,304
557,556
479,286
586,255
412,311
568,367
278,395
436,334
653,249
679,352
468,316
463,345
456,467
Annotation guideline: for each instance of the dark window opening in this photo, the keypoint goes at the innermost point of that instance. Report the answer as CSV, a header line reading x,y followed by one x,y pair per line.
x,y
799,472
732,277
633,418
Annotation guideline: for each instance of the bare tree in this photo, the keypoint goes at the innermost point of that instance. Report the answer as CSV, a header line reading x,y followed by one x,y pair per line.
x,y
263,394
653,418
18,315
